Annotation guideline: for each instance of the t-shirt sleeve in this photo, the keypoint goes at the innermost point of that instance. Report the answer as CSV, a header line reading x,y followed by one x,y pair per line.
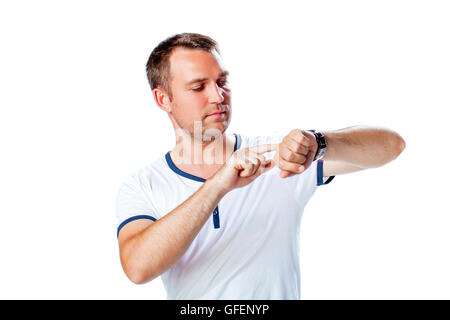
x,y
134,201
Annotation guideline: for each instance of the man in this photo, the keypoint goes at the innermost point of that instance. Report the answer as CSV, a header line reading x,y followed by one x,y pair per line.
x,y
218,216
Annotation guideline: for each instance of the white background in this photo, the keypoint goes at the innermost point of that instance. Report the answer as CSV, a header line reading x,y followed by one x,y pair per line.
x,y
77,118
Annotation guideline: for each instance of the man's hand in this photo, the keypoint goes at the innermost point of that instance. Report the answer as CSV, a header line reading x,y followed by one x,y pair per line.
x,y
244,166
296,152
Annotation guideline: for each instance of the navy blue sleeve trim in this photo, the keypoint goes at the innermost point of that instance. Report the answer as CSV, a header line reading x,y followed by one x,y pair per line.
x,y
132,219
320,174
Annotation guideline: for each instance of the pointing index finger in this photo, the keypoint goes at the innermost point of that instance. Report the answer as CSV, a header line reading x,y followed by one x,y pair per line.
x,y
263,148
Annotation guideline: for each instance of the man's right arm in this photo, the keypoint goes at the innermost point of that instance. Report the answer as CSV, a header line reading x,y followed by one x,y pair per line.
x,y
147,249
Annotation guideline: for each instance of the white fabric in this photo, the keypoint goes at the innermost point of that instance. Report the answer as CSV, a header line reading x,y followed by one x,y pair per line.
x,y
255,252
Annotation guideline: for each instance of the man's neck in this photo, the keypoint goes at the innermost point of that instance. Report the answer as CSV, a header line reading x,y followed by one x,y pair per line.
x,y
194,153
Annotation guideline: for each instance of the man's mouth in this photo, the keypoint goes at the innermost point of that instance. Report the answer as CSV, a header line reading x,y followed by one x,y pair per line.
x,y
217,114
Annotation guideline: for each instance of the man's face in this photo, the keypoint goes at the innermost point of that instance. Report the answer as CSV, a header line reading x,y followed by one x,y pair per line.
x,y
200,91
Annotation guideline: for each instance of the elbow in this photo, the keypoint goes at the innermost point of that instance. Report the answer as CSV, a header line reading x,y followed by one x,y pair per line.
x,y
399,145
134,268
395,147
136,274
136,277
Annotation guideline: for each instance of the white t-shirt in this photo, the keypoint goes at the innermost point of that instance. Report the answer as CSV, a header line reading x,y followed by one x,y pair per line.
x,y
249,248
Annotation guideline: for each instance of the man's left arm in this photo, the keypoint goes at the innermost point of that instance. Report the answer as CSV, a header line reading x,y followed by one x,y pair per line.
x,y
360,147
348,150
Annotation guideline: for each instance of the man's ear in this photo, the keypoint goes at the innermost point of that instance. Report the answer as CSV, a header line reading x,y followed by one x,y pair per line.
x,y
162,99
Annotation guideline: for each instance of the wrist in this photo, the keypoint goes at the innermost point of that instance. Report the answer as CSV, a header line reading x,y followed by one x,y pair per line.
x,y
321,144
215,186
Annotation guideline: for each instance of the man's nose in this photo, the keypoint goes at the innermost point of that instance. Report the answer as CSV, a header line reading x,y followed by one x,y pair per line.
x,y
216,94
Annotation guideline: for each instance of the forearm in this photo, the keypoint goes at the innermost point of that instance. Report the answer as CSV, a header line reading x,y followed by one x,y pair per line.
x,y
151,252
364,146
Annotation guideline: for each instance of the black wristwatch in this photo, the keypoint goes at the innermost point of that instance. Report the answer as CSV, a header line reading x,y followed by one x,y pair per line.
x,y
321,144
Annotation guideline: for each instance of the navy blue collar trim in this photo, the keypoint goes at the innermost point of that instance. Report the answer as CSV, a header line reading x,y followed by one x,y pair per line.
x,y
181,172
172,165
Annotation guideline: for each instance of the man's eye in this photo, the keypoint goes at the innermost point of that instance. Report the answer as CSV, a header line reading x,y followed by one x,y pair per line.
x,y
220,83
198,88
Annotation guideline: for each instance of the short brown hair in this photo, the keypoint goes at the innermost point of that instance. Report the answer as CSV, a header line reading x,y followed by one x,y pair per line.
x,y
158,64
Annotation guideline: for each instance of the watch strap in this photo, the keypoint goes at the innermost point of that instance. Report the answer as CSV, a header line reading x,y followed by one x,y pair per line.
x,y
321,144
